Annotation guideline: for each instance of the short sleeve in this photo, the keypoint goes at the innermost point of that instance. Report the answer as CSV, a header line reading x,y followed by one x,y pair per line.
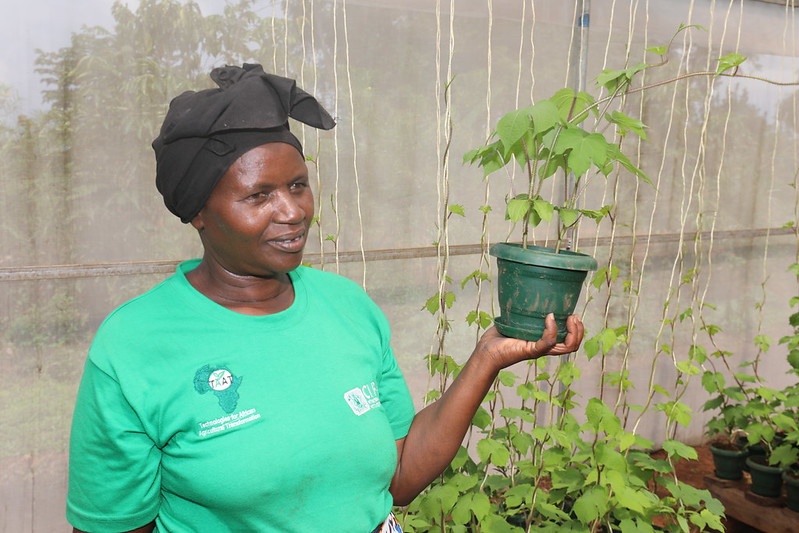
x,y
395,396
114,466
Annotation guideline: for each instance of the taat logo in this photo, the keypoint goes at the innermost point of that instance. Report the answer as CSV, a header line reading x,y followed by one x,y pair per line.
x,y
220,380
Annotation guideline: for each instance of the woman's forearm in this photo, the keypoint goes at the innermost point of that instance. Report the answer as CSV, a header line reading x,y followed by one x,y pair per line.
x,y
438,430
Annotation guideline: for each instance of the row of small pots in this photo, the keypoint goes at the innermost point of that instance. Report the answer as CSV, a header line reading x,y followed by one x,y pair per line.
x,y
767,480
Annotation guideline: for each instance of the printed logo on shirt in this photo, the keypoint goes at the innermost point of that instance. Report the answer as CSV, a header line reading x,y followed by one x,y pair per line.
x,y
222,382
362,399
228,422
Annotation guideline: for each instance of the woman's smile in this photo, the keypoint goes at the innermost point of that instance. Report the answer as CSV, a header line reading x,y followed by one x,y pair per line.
x,y
289,243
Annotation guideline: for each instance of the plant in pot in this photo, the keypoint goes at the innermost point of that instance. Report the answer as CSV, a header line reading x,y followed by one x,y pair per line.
x,y
725,429
548,139
767,428
787,453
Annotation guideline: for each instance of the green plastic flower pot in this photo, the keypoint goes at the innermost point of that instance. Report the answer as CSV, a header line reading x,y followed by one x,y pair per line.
x,y
766,479
533,282
791,480
728,464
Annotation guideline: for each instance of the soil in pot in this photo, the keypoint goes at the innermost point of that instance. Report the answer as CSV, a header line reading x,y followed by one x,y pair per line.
x,y
766,479
728,460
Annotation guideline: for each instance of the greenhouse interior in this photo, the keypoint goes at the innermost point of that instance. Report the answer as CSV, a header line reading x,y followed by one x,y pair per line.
x,y
599,129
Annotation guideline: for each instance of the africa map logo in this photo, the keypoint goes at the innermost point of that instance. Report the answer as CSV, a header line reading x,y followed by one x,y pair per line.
x,y
222,383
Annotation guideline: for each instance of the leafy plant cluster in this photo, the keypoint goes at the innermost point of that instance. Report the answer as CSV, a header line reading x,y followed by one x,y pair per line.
x,y
560,474
539,457
747,412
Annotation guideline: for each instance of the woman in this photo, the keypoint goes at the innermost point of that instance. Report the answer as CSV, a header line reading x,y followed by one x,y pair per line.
x,y
247,392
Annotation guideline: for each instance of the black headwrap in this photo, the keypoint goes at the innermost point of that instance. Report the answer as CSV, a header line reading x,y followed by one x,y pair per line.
x,y
204,132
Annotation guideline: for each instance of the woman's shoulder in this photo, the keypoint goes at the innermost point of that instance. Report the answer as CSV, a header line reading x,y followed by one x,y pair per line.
x,y
157,302
327,281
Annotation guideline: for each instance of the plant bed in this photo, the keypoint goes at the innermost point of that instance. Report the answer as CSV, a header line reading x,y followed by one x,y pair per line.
x,y
743,513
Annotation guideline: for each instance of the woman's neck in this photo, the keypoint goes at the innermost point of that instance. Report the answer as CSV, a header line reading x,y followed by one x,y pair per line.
x,y
248,295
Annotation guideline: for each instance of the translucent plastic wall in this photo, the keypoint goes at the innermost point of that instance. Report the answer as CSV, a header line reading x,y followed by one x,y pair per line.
x,y
413,84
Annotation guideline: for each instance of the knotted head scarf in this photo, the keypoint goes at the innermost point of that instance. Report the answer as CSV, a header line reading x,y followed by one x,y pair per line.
x,y
204,132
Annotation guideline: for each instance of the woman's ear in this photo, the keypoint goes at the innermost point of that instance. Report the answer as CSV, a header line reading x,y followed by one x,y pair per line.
x,y
197,221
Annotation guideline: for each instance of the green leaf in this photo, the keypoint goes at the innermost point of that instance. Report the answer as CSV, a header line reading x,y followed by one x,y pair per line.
x,y
614,80
584,149
572,106
481,418
592,504
518,208
608,339
496,524
601,418
659,50
507,378
697,353
512,127
687,367
457,209
627,124
544,209
449,299
713,381
617,155
439,500
591,347
494,452
763,342
568,216
597,215
545,115
675,447
432,304
729,61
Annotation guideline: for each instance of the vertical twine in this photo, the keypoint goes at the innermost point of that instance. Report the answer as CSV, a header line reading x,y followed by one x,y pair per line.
x,y
354,141
334,198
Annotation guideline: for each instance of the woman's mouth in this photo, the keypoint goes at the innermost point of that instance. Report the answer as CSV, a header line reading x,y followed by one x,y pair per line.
x,y
289,244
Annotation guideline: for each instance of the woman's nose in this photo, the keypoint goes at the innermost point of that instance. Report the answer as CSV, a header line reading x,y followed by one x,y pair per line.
x,y
289,209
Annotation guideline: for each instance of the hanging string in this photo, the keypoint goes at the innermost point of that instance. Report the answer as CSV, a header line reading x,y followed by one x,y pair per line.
x,y
354,141
664,320
532,49
773,172
273,33
521,54
484,263
697,301
334,198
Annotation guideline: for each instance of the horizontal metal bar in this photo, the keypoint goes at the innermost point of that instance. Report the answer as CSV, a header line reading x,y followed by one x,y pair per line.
x,y
135,268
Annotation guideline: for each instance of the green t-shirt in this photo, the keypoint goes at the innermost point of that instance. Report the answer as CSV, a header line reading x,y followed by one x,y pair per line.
x,y
210,420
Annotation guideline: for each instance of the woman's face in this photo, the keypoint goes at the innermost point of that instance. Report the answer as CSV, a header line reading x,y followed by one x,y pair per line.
x,y
256,220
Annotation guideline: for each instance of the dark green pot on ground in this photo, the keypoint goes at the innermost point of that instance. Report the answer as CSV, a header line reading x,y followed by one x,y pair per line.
x,y
755,450
728,464
766,479
791,490
533,282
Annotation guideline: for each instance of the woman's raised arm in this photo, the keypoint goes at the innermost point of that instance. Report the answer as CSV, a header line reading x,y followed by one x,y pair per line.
x,y
438,430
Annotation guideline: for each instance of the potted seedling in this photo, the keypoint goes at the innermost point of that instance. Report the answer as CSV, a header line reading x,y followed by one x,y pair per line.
x,y
549,138
725,429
